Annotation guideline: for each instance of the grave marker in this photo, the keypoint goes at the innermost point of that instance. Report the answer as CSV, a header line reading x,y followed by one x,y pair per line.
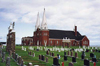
x,y
71,64
46,59
3,57
8,61
86,62
65,58
55,62
73,59
76,54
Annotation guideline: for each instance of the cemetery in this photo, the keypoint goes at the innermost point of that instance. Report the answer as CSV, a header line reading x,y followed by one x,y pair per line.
x,y
50,56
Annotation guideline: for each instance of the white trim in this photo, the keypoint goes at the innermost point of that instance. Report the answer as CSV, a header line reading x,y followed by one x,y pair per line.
x,y
58,39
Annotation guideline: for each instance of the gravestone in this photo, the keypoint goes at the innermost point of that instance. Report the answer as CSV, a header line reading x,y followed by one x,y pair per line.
x,y
97,50
46,59
64,53
65,58
22,63
71,64
87,50
30,64
83,53
93,50
16,57
3,57
82,57
58,56
8,61
55,62
86,62
76,54
30,53
68,53
71,54
91,55
94,60
19,60
43,58
37,49
47,52
0,52
73,59
33,54
52,54
39,57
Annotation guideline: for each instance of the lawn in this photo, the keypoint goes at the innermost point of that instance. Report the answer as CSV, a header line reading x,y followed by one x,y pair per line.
x,y
35,60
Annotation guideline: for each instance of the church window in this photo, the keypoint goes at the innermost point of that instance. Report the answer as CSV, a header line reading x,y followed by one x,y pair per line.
x,y
85,42
57,42
51,42
37,34
45,34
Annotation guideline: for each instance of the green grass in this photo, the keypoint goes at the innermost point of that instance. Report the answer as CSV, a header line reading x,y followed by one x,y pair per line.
x,y
35,60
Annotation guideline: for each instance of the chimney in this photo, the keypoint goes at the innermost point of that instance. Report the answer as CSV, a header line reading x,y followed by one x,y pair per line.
x,y
75,30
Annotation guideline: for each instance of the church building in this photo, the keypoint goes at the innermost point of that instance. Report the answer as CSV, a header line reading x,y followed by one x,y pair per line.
x,y
43,36
49,37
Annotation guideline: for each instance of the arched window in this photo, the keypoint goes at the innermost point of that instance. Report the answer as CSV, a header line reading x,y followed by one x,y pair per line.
x,y
51,42
57,42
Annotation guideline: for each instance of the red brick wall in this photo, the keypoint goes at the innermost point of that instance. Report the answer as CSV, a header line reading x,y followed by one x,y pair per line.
x,y
41,36
85,39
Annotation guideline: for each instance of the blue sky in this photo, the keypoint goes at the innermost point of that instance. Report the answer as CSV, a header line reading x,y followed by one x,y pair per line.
x,y
63,14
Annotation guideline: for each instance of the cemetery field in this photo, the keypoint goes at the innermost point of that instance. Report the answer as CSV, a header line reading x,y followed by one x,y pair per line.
x,y
23,52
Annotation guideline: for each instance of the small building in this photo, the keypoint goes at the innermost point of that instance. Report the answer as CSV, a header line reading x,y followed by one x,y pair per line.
x,y
27,41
